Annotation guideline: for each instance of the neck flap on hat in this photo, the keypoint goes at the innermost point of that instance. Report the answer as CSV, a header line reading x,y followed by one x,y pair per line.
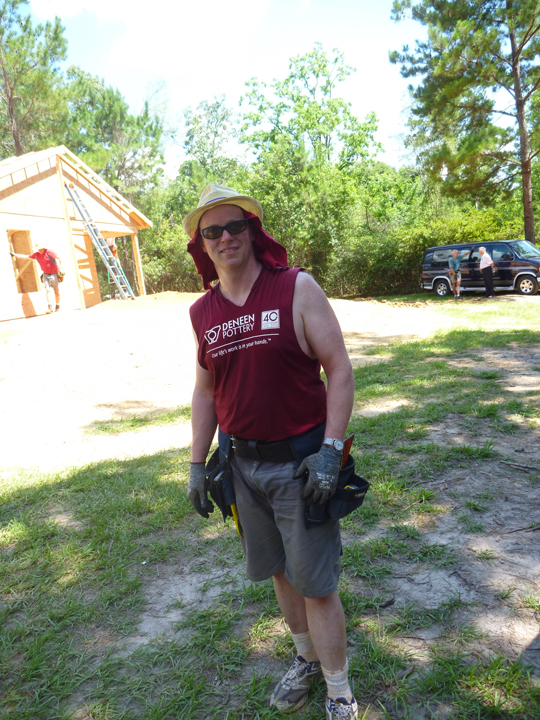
x,y
267,251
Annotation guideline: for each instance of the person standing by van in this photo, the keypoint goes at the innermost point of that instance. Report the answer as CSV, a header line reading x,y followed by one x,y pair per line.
x,y
455,273
486,268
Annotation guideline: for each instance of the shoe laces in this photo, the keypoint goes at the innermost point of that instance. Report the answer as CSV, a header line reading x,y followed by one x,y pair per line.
x,y
293,672
341,709
296,671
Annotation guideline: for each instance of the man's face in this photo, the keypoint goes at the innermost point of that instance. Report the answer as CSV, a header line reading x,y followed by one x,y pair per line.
x,y
455,253
481,251
227,251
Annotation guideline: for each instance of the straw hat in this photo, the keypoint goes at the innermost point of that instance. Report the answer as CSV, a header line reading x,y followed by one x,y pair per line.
x,y
214,195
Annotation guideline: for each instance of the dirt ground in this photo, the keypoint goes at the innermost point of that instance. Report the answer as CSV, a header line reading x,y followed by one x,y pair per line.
x,y
60,374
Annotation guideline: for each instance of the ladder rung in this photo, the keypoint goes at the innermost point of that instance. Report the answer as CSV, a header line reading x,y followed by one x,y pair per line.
x,y
108,258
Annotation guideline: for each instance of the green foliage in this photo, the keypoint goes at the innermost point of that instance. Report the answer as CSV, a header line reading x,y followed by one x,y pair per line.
x,y
208,129
479,72
126,149
309,150
31,103
360,226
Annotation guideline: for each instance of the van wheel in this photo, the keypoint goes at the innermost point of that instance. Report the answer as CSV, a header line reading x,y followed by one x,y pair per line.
x,y
442,288
526,285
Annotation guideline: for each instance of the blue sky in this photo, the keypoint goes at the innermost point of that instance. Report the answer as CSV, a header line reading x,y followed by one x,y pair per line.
x,y
198,50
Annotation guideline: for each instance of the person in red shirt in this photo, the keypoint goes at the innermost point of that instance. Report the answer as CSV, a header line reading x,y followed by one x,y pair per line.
x,y
50,265
263,333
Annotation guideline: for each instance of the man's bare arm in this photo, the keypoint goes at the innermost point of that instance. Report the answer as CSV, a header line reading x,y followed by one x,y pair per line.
x,y
325,341
203,414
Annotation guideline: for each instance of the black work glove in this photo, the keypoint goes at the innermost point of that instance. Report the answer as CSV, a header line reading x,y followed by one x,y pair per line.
x,y
322,469
198,488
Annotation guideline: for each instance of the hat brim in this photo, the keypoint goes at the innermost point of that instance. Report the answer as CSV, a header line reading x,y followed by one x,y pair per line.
x,y
191,221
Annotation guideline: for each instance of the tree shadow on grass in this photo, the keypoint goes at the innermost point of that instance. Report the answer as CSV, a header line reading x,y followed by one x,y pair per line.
x,y
73,547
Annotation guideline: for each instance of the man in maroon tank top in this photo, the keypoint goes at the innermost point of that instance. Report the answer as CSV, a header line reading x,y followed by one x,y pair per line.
x,y
262,334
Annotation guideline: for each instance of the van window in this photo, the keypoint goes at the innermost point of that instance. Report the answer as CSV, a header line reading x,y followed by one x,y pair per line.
x,y
441,257
428,257
525,249
474,255
501,252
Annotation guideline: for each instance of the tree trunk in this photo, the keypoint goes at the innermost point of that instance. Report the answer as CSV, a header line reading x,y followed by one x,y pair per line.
x,y
525,151
128,266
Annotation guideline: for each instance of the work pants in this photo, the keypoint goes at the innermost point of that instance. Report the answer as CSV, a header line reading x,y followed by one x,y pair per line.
x,y
487,274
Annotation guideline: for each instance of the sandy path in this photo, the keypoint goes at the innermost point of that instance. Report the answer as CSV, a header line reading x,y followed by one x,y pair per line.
x,y
61,373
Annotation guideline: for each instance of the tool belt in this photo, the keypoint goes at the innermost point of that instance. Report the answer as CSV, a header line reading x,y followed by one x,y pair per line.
x,y
280,451
349,495
220,486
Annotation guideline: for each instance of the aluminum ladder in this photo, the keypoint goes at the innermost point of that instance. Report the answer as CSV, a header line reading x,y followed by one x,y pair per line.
x,y
111,262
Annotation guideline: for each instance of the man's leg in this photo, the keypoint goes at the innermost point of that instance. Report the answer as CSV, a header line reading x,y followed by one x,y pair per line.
x,y
49,293
319,624
56,293
490,282
323,617
292,604
326,621
454,289
486,281
458,288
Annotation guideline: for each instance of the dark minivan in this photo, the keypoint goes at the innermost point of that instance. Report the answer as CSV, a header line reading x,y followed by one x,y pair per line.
x,y
516,267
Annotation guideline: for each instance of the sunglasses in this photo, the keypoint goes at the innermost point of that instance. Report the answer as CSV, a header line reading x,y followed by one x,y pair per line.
x,y
216,231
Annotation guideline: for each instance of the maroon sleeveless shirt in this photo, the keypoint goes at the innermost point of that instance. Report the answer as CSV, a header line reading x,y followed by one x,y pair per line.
x,y
265,386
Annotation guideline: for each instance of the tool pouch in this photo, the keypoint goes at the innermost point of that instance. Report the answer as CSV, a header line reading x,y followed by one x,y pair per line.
x,y
349,495
221,487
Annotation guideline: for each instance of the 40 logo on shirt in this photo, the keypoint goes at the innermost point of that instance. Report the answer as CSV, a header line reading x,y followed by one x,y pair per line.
x,y
269,319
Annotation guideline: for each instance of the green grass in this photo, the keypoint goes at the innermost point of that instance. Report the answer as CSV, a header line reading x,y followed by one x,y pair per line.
x,y
139,422
81,550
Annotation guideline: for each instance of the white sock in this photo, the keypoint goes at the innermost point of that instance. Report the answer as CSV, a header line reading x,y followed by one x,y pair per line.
x,y
304,646
338,683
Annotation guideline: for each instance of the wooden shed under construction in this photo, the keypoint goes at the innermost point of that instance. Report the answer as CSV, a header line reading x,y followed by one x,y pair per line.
x,y
36,210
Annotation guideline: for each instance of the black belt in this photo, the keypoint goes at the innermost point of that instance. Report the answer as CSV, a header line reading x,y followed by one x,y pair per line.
x,y
264,451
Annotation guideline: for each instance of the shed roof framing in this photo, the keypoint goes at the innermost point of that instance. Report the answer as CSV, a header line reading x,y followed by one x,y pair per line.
x,y
16,170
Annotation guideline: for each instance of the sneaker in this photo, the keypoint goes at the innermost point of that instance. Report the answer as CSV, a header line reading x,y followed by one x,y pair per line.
x,y
49,310
291,692
340,709
57,308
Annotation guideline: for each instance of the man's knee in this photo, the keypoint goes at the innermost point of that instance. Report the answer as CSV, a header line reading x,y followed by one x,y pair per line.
x,y
324,601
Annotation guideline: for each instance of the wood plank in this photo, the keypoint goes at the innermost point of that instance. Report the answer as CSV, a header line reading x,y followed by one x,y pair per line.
x,y
138,265
70,234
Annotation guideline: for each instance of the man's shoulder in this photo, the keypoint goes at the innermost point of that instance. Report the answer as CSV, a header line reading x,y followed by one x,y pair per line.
x,y
308,294
306,283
